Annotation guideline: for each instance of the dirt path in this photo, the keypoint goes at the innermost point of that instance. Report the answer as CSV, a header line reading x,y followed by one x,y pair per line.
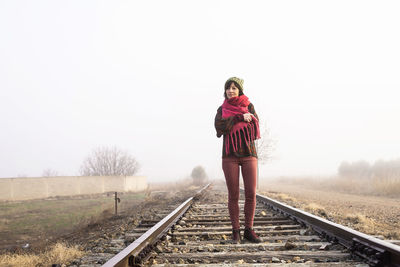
x,y
369,214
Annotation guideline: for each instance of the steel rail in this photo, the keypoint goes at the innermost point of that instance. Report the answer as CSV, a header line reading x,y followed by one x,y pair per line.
x,y
131,255
375,251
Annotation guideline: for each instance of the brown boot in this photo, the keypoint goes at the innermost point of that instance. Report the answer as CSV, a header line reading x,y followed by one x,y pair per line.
x,y
251,236
236,236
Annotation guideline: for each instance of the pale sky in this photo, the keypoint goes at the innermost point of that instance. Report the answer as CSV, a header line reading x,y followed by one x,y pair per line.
x,y
148,77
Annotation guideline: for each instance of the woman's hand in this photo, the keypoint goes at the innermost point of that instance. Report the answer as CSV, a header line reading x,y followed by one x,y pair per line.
x,y
247,117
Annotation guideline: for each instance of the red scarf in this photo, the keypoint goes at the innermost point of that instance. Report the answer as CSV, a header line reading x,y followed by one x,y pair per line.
x,y
251,131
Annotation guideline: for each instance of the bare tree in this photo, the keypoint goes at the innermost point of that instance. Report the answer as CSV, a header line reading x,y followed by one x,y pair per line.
x,y
49,173
357,169
265,145
104,161
199,175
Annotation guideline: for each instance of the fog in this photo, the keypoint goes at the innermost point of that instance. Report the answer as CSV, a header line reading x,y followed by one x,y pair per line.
x,y
148,77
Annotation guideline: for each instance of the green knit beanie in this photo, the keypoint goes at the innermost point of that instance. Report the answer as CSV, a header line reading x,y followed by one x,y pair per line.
x,y
236,80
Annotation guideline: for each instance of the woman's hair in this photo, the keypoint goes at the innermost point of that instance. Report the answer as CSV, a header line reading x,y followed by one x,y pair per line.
x,y
227,85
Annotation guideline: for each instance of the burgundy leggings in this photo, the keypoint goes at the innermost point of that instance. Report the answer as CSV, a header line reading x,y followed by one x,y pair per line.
x,y
230,165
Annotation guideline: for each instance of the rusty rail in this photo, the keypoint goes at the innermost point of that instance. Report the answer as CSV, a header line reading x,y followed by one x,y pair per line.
x,y
132,254
375,251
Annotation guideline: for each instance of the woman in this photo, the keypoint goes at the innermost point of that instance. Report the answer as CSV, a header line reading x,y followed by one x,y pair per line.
x,y
237,121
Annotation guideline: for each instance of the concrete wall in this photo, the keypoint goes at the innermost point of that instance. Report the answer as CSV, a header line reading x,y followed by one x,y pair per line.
x,y
43,187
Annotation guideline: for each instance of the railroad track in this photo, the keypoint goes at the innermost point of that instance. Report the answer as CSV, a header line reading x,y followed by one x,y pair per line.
x,y
198,233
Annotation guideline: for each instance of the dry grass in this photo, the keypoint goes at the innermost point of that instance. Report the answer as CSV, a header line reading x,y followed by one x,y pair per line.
x,y
395,235
356,218
360,223
58,254
373,186
316,209
282,197
349,185
285,198
310,207
378,186
388,186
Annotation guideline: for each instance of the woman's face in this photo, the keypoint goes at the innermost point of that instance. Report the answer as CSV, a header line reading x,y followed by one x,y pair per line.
x,y
232,91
